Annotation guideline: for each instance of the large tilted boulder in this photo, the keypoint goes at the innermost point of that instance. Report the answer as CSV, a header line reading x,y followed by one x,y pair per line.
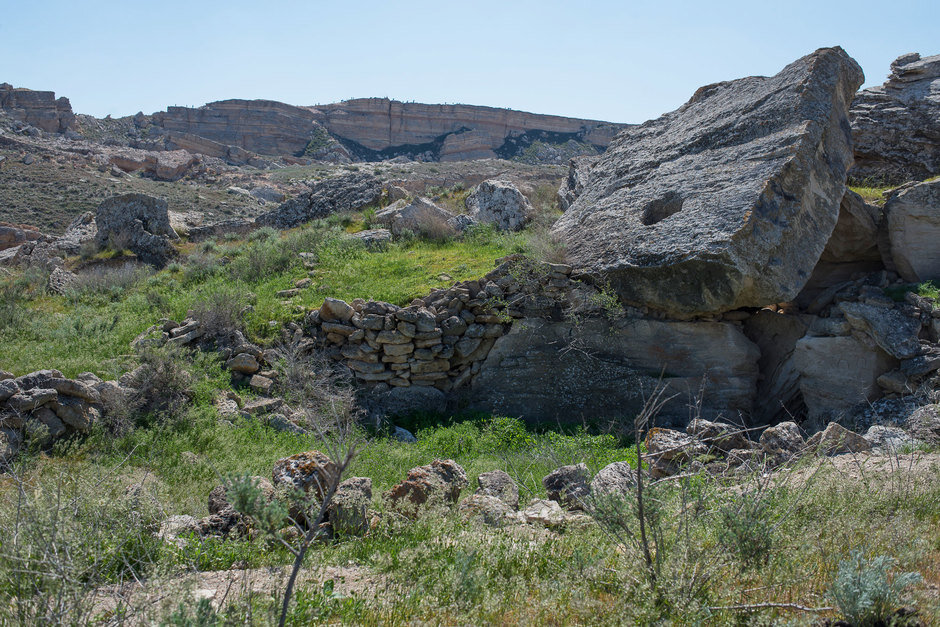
x,y
726,202
914,229
896,127
499,203
139,223
346,192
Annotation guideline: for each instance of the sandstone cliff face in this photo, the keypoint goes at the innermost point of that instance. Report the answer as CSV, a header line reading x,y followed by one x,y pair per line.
x,y
261,126
468,131
373,128
896,127
39,108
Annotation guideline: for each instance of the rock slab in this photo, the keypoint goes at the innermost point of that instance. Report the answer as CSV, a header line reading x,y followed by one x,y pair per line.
x,y
726,202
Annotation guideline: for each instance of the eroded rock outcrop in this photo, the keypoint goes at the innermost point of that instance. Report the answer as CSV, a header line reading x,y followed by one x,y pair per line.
x,y
346,192
139,223
501,204
600,369
913,215
896,127
37,108
726,202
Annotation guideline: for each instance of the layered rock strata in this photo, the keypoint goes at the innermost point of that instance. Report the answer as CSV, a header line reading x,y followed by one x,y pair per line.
x,y
896,127
37,108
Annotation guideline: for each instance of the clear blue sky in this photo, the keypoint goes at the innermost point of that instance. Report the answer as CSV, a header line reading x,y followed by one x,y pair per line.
x,y
617,61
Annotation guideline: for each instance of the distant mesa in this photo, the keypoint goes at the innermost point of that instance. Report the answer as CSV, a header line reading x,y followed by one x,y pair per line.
x,y
37,108
372,129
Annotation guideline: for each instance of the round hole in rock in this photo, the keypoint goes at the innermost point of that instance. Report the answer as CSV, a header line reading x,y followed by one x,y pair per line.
x,y
658,210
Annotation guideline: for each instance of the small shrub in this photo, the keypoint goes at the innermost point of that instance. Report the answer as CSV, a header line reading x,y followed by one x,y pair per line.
x,y
219,313
199,267
162,384
112,281
745,530
866,591
264,233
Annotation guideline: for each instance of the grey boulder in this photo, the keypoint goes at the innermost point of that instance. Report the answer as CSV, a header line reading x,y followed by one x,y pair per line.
x,y
499,203
726,202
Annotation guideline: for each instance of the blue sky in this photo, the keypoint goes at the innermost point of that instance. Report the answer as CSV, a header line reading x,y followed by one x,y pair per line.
x,y
617,61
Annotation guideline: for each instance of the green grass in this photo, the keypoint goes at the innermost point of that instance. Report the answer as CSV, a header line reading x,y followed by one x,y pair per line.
x,y
927,289
92,330
872,194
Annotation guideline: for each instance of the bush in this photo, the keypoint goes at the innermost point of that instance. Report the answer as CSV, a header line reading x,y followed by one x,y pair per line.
x,y
219,313
162,384
66,537
110,280
866,592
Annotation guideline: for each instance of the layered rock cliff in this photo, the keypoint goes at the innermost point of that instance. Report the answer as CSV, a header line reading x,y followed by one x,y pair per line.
x,y
262,126
377,128
896,127
38,108
453,132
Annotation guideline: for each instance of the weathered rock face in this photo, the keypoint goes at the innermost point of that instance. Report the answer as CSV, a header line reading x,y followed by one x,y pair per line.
x,y
726,202
169,165
914,229
499,203
778,389
602,370
854,247
262,126
138,223
578,170
39,108
82,231
346,192
896,127
15,234
838,372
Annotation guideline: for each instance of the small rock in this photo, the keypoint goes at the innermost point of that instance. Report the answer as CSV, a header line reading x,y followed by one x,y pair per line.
x,y
782,441
261,384
404,435
244,363
499,484
492,510
616,480
568,485
439,482
335,309
837,440
348,511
